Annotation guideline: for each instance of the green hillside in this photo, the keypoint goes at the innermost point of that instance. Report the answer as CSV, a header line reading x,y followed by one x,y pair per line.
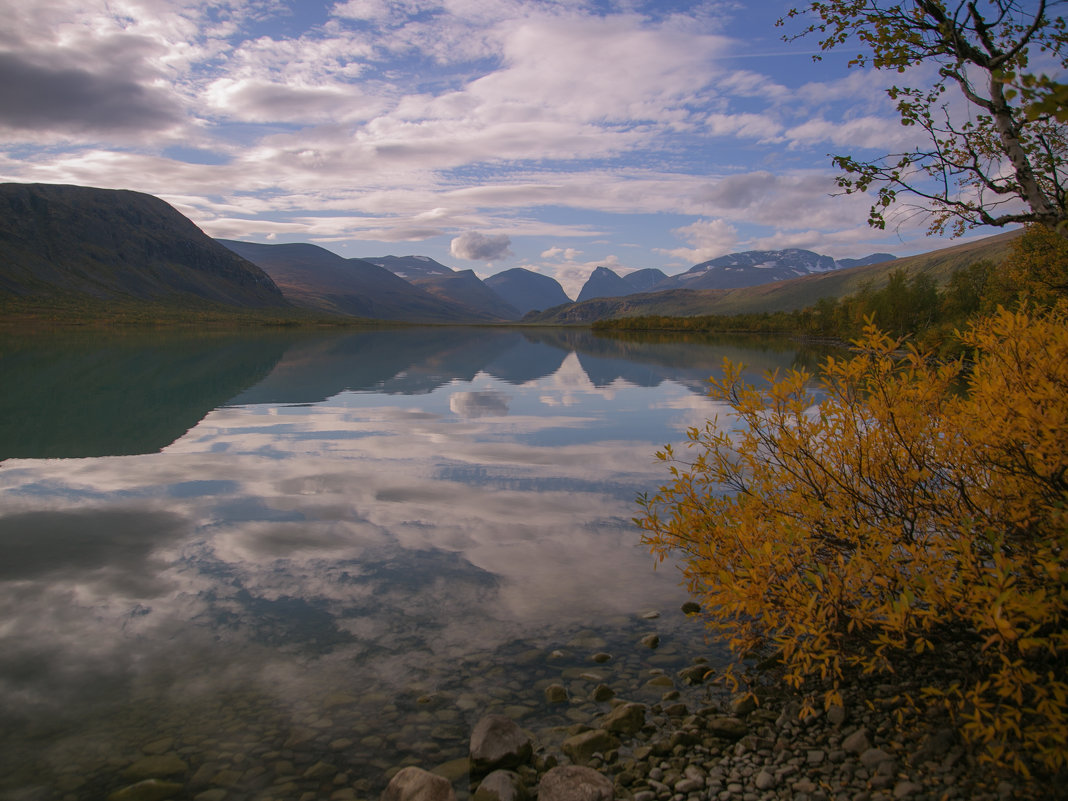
x,y
117,246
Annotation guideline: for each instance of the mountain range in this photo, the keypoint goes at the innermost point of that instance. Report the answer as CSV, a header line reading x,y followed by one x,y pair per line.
x,y
317,279
787,295
111,246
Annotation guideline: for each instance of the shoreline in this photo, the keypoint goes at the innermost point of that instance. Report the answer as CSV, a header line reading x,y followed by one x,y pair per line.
x,y
652,734
764,752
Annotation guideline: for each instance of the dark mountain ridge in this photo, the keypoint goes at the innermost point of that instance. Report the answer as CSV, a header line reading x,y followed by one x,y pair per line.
x,y
466,289
113,244
604,283
642,280
316,278
526,290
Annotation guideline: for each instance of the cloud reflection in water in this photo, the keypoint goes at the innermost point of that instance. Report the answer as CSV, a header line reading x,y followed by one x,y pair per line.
x,y
366,541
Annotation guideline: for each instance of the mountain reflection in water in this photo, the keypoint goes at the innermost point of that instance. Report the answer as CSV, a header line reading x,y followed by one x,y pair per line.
x,y
290,549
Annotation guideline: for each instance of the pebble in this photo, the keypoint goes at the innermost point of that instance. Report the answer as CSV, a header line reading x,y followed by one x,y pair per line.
x,y
556,694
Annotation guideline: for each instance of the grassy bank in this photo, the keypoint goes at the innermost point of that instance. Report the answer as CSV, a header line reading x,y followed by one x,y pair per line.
x,y
61,312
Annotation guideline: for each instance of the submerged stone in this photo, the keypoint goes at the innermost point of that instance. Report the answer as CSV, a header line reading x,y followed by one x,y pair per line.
x,y
159,746
556,694
340,698
498,742
574,783
415,784
453,770
694,674
147,790
156,766
658,682
602,693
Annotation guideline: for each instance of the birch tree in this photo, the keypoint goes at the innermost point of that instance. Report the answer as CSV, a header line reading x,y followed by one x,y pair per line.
x,y
995,117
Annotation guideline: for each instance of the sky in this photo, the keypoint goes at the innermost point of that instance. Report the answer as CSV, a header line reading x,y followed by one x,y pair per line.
x,y
486,134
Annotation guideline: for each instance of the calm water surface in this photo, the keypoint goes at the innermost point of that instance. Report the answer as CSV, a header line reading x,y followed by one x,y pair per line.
x,y
259,554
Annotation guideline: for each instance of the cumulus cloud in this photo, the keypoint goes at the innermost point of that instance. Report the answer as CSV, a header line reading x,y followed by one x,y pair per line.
x,y
759,127
263,101
474,246
376,10
708,239
568,254
880,133
34,97
634,72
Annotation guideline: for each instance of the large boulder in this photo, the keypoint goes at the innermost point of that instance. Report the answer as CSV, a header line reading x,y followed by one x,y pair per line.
x,y
626,719
498,742
415,784
581,748
574,783
726,728
501,785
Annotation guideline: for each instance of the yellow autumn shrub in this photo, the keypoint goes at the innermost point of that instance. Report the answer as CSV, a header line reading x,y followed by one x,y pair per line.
x,y
891,507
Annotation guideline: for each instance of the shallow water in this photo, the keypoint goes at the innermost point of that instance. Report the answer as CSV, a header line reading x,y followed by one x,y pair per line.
x,y
293,562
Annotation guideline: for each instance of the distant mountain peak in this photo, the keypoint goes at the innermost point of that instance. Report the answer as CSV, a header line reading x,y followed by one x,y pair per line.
x,y
527,290
749,268
604,283
643,280
410,267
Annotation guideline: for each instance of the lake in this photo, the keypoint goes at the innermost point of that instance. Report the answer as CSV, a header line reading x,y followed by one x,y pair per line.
x,y
285,563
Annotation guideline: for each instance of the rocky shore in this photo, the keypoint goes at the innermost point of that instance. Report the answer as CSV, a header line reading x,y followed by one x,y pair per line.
x,y
743,751
754,746
601,727
665,752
